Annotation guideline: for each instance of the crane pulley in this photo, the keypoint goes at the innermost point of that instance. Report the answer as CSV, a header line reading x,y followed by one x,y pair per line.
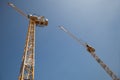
x,y
91,50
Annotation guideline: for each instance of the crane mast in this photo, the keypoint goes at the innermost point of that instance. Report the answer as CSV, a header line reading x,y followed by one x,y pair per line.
x,y
28,59
91,50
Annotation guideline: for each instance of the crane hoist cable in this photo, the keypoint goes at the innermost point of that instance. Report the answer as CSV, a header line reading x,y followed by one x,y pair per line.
x,y
91,50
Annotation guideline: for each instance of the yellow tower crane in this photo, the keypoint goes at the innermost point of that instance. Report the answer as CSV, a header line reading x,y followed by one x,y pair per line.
x,y
28,59
91,50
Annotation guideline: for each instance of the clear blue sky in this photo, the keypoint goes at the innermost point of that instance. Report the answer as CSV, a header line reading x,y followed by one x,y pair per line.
x,y
59,57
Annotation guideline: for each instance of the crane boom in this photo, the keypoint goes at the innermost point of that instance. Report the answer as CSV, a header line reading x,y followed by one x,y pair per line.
x,y
91,50
70,34
18,10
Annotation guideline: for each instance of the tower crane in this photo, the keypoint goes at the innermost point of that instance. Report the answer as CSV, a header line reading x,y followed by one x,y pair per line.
x,y
91,50
28,59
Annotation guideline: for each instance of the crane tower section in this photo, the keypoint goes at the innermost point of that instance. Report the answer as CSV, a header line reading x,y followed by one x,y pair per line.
x,y
28,59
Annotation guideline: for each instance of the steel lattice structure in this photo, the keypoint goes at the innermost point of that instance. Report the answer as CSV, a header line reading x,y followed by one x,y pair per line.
x,y
28,59
91,50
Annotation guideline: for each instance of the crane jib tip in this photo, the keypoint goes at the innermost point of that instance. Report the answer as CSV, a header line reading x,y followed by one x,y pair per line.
x,y
10,4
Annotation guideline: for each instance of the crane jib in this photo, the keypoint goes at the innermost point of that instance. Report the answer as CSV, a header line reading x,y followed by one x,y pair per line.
x,y
91,50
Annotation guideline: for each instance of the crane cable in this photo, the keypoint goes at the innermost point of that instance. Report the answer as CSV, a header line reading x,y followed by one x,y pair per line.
x,y
91,50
